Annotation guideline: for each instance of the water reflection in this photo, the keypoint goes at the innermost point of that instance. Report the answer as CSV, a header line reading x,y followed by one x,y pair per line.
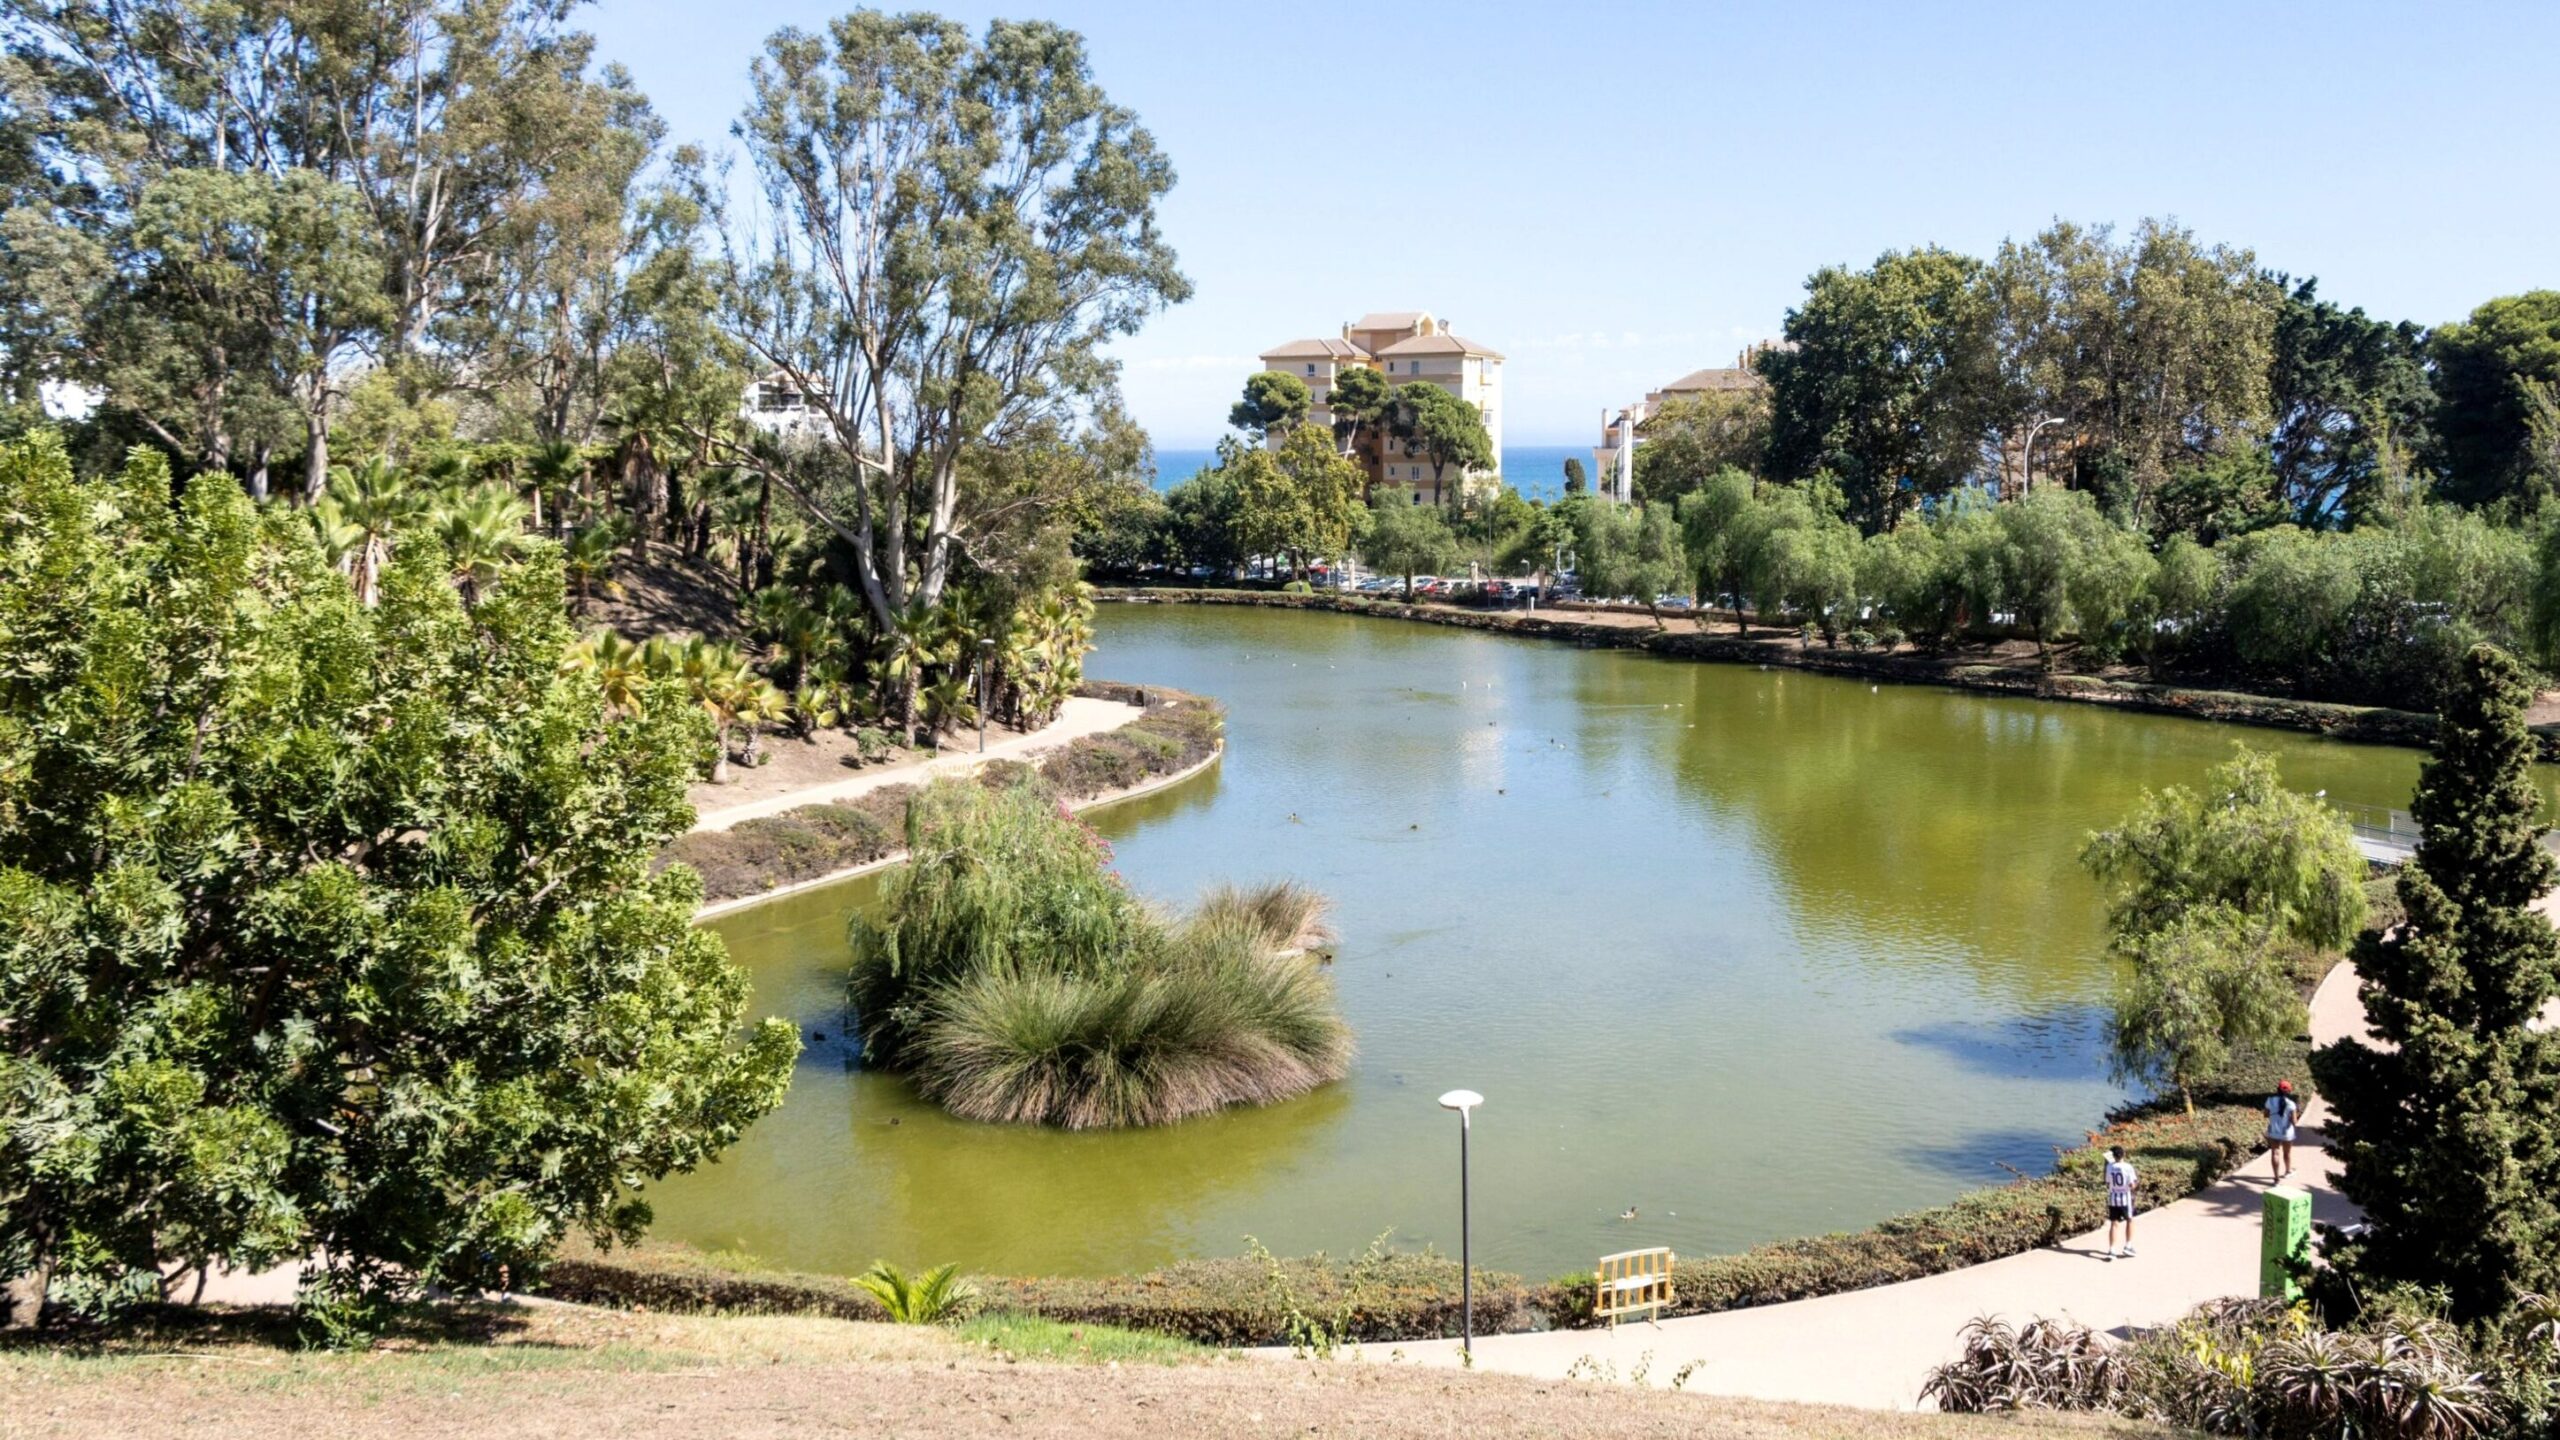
x,y
1754,953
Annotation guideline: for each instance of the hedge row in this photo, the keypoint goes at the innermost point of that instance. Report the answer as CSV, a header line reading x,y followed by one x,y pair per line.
x,y
754,856
1216,1302
1408,1297
2362,723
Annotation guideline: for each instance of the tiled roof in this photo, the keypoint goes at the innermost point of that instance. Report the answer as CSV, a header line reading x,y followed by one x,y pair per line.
x,y
1715,378
1390,319
1440,344
1315,350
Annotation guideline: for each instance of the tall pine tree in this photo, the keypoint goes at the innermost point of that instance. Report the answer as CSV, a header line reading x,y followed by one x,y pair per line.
x,y
2449,1129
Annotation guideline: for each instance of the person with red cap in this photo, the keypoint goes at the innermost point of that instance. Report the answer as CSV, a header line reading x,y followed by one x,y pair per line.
x,y
2282,1111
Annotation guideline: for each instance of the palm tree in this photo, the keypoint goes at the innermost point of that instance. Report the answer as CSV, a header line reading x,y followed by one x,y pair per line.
x,y
359,512
760,702
734,694
556,469
589,557
482,529
620,667
923,638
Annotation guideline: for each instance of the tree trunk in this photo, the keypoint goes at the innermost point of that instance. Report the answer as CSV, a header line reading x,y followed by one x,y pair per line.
x,y
315,465
720,756
258,471
24,1296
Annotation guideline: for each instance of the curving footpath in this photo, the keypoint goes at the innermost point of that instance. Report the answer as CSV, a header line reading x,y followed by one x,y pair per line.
x,y
1082,715
1874,1348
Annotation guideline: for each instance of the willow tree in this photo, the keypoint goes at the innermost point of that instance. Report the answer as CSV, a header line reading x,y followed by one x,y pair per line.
x,y
951,230
2242,843
332,932
2206,886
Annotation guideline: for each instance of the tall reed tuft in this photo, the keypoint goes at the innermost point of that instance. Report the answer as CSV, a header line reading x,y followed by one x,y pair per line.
x,y
1018,981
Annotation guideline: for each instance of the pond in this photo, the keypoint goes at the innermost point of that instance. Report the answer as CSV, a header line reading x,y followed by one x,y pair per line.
x,y
1750,953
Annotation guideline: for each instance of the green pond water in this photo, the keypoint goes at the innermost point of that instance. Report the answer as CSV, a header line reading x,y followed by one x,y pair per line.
x,y
1754,953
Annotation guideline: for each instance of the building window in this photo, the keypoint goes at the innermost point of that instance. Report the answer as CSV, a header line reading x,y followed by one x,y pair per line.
x,y
1417,497
1311,369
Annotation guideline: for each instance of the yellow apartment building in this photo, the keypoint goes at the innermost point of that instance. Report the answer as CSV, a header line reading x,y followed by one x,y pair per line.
x,y
1403,346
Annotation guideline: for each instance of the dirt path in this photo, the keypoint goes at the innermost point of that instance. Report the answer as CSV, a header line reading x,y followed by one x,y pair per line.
x,y
608,1376
1081,716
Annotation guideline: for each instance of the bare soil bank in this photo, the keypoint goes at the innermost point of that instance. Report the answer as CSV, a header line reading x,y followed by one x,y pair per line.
x,y
556,1371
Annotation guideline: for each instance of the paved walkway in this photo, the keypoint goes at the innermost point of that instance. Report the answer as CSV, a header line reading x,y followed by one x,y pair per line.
x,y
1081,716
1873,1348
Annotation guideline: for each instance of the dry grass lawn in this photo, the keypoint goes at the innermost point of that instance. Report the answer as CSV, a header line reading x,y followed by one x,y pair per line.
x,y
527,1371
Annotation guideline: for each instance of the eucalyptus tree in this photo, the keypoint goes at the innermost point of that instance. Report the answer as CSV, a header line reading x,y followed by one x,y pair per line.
x,y
334,932
952,229
413,137
2155,351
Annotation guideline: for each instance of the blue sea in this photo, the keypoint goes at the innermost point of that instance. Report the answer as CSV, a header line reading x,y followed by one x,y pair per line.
x,y
1536,471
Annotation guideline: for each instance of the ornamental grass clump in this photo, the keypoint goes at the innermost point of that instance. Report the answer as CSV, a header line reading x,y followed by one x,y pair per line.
x,y
1017,980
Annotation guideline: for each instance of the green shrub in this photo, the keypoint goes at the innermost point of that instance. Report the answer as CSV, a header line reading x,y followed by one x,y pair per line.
x,y
1015,977
1297,587
928,1297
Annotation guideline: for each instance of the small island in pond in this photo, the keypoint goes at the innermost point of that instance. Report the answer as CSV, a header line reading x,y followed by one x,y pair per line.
x,y
1011,973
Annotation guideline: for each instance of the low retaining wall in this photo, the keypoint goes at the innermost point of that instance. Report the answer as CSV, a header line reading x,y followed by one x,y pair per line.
x,y
2371,725
1179,736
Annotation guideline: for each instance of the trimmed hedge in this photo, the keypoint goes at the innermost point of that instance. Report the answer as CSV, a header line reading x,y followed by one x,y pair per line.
x,y
754,856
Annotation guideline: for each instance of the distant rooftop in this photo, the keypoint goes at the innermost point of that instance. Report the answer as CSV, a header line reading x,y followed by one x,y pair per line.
x,y
1391,320
1443,343
1714,378
1316,350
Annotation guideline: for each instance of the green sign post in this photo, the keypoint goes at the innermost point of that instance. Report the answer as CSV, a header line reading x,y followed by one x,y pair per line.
x,y
2284,1244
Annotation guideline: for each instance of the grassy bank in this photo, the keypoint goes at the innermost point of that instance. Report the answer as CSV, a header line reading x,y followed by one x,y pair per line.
x,y
1686,641
1177,731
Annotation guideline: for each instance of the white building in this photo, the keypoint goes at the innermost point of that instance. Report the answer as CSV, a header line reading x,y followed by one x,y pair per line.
x,y
1613,460
777,404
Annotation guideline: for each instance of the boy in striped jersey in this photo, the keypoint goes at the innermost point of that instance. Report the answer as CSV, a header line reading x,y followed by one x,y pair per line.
x,y
2122,1182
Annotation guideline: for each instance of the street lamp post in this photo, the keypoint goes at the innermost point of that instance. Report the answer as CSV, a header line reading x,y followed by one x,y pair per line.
x,y
986,651
2027,459
1465,1103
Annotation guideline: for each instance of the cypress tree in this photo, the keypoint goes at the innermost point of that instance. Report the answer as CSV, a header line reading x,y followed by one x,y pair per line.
x,y
2448,1132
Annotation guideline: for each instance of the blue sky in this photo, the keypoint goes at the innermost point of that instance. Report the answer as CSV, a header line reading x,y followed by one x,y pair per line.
x,y
1613,195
